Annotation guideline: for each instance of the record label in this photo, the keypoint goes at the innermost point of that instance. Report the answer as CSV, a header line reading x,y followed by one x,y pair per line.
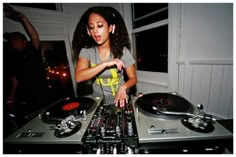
x,y
70,106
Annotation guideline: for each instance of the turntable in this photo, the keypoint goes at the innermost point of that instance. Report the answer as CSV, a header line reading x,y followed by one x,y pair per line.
x,y
69,106
166,122
62,123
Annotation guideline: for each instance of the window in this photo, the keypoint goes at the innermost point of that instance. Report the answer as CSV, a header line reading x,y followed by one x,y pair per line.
x,y
150,27
57,70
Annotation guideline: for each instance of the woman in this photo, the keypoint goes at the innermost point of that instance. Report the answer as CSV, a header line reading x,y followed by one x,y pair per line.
x,y
102,41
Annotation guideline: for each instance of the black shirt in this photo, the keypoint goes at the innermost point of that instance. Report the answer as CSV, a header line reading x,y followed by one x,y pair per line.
x,y
29,70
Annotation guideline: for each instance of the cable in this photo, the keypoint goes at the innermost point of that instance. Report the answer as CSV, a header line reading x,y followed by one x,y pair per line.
x,y
100,84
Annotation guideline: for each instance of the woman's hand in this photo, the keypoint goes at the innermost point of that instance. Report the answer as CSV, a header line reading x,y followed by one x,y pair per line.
x,y
12,13
121,96
117,62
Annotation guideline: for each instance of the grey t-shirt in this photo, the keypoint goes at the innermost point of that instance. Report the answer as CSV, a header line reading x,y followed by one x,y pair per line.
x,y
110,79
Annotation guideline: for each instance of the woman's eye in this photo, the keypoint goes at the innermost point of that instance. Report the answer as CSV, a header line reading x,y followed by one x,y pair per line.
x,y
100,26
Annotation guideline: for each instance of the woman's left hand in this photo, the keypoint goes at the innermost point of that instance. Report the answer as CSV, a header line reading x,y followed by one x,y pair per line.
x,y
121,97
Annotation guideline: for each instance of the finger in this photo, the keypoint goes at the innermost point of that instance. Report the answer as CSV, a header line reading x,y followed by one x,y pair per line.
x,y
120,62
116,102
126,100
120,66
122,103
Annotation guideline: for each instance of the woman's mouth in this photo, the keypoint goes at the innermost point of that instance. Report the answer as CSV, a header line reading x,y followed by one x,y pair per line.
x,y
97,37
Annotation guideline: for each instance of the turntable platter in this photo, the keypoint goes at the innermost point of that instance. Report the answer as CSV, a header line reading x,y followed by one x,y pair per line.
x,y
67,107
158,104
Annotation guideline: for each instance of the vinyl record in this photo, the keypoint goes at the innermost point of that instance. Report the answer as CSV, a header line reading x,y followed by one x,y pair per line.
x,y
159,104
71,106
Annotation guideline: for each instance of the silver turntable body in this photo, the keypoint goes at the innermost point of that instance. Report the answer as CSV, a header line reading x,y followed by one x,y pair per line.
x,y
155,130
38,132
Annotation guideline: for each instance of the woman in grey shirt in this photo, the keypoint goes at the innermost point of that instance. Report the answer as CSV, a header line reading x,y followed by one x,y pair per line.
x,y
103,48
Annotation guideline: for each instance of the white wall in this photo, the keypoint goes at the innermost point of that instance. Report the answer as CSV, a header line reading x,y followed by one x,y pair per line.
x,y
207,31
206,57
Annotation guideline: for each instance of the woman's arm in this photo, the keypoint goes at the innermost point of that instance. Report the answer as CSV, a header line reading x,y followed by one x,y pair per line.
x,y
121,96
83,72
20,17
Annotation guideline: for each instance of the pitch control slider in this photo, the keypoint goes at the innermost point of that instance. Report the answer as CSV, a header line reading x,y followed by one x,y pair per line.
x,y
154,131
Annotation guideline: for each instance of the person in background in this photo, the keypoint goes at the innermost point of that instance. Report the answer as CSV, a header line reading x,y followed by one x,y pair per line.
x,y
102,45
27,92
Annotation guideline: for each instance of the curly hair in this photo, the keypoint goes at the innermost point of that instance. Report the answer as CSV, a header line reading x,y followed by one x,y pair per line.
x,y
119,39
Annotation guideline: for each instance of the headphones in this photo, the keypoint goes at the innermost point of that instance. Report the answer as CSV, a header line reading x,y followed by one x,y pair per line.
x,y
112,32
88,31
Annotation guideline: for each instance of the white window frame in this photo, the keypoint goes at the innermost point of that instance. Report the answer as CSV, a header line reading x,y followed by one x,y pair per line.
x,y
168,80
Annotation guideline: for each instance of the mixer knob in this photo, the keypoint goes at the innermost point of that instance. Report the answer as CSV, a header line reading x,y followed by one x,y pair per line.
x,y
98,151
130,129
122,147
102,149
118,130
114,150
107,150
102,131
129,151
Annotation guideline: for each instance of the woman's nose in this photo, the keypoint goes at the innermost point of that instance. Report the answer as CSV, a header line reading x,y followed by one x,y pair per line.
x,y
95,30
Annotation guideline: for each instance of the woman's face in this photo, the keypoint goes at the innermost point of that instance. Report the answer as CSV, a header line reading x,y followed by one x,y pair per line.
x,y
99,29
